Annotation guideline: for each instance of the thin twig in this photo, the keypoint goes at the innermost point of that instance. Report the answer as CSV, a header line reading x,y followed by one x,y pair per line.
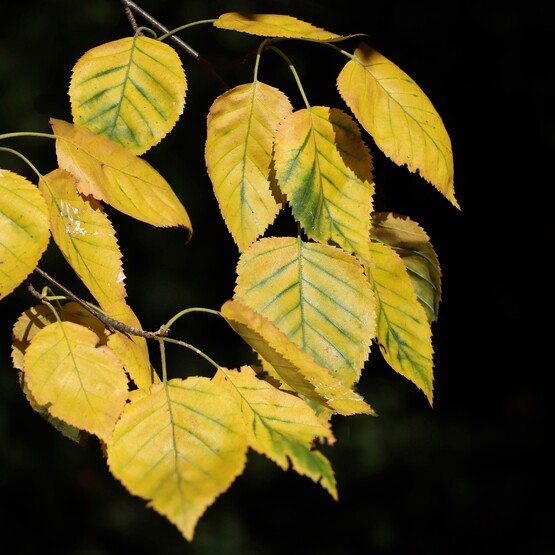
x,y
111,323
128,6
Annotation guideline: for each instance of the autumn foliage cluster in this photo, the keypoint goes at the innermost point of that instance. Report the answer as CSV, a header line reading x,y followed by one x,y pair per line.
x,y
311,306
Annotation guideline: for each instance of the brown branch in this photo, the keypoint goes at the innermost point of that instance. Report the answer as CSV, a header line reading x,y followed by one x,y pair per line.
x,y
111,323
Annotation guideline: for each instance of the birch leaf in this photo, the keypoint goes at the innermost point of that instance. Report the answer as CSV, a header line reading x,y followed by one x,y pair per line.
x,y
394,110
317,295
413,245
83,384
131,91
325,170
297,368
38,317
25,328
24,232
404,333
85,236
110,173
241,127
179,447
281,426
132,350
274,25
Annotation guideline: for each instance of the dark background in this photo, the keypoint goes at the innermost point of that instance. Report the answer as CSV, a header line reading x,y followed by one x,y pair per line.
x,y
468,474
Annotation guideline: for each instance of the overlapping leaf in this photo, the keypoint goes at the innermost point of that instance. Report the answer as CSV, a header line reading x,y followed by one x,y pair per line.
x,y
38,317
404,332
131,91
399,116
317,295
297,368
111,173
24,232
131,349
413,245
82,383
274,25
241,127
85,237
179,447
324,168
281,426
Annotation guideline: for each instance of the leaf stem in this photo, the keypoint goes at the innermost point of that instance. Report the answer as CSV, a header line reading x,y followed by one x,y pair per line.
x,y
26,160
166,327
130,7
293,71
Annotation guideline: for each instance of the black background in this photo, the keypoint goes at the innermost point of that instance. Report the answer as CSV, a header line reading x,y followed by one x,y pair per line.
x,y
468,474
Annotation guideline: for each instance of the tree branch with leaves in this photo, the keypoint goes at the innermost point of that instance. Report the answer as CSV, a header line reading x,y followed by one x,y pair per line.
x,y
311,306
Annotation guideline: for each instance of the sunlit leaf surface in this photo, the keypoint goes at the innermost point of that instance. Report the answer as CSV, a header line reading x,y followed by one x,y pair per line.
x,y
37,317
317,295
399,116
179,447
413,245
281,426
325,170
85,236
131,91
301,372
131,349
273,25
111,173
404,333
241,127
24,232
82,383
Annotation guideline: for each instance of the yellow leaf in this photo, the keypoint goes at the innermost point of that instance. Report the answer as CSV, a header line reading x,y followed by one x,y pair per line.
x,y
325,170
179,447
404,332
399,116
82,384
38,317
297,368
281,426
132,350
317,295
413,245
131,91
111,173
24,232
241,127
274,25
85,236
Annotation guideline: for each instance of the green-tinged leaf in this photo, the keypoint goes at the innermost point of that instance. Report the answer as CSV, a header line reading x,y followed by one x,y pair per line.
x,y
404,333
38,317
179,447
131,91
274,25
325,170
297,368
85,236
317,295
281,426
24,232
131,349
413,245
241,127
83,384
71,432
109,172
399,116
